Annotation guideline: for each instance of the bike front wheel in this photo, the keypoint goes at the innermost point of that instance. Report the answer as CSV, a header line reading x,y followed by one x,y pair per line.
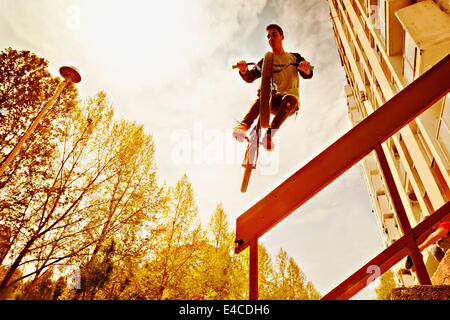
x,y
265,90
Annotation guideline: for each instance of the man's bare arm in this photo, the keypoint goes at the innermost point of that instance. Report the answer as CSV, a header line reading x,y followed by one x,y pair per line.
x,y
432,238
248,75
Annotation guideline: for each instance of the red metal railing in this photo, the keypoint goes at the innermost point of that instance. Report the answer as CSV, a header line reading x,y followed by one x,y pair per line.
x,y
353,146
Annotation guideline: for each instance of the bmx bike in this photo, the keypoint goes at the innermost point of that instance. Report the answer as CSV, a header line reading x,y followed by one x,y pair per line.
x,y
267,91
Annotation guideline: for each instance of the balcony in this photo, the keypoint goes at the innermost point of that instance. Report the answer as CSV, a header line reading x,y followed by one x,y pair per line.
x,y
429,29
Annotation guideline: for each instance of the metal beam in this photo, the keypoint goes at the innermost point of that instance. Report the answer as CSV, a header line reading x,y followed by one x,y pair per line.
x,y
405,226
386,259
253,274
343,154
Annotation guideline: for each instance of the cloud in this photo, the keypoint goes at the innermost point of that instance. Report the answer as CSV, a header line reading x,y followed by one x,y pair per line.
x,y
53,22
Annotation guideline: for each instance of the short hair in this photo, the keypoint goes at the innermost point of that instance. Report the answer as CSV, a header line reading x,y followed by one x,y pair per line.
x,y
274,26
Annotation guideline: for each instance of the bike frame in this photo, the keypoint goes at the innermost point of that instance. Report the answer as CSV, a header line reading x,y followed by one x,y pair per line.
x,y
253,150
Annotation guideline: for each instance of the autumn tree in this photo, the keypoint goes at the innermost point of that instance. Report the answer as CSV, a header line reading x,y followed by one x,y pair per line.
x,y
97,176
40,288
178,245
290,281
387,284
266,274
98,272
211,274
25,85
130,193
50,216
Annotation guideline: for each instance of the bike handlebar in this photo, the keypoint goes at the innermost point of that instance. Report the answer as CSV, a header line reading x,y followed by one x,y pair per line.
x,y
275,65
234,66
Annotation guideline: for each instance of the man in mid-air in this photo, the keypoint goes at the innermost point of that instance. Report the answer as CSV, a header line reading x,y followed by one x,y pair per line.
x,y
286,101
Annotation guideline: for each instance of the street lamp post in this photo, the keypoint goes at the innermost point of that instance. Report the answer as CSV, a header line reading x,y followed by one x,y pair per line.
x,y
70,74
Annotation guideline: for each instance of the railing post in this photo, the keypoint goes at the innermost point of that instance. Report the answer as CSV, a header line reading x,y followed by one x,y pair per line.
x,y
253,274
416,256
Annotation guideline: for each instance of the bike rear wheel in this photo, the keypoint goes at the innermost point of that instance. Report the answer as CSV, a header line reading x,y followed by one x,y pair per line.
x,y
265,90
246,178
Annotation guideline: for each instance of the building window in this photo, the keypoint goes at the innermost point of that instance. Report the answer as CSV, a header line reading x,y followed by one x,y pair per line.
x,y
386,69
409,58
423,145
428,202
334,3
443,184
406,152
372,40
356,8
378,53
382,19
363,5
366,30
373,13
443,135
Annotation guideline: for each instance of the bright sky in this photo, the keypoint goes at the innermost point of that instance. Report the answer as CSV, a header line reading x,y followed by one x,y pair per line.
x,y
167,65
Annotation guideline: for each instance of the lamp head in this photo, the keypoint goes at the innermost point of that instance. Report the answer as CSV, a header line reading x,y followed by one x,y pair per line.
x,y
70,73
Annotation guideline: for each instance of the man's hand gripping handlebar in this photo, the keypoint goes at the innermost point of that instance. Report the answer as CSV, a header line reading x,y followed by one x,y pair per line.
x,y
243,66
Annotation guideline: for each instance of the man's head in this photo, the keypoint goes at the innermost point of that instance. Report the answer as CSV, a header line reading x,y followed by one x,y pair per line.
x,y
275,36
276,27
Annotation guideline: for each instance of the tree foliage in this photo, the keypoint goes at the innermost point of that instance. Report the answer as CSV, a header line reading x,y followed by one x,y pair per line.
x,y
82,195
387,284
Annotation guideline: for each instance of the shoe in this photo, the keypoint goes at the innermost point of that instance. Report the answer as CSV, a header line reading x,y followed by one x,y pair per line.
x,y
240,131
267,141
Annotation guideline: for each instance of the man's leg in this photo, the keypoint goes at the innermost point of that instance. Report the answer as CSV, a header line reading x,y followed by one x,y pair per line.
x,y
288,106
282,107
240,130
252,114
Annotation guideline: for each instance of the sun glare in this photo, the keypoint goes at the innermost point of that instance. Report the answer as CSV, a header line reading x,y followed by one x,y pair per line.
x,y
142,40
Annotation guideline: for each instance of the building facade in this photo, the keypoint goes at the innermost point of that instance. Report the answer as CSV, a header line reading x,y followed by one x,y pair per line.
x,y
384,45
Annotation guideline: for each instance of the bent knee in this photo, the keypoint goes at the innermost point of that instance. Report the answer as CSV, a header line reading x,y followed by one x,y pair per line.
x,y
290,102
